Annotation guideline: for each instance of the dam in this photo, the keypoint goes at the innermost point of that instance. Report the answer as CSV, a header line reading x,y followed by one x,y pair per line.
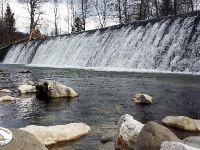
x,y
165,44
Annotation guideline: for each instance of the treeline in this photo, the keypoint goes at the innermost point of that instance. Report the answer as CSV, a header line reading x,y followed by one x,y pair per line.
x,y
79,11
129,10
8,33
124,11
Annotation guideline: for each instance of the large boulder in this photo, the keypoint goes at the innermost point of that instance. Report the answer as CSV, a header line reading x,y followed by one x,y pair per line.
x,y
23,140
193,141
176,146
24,89
152,136
143,99
55,90
7,99
183,123
129,130
60,133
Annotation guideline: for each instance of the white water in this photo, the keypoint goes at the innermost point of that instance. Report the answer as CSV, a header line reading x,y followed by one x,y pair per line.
x,y
162,46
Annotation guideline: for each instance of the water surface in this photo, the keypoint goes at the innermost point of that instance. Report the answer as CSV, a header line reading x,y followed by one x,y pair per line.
x,y
104,97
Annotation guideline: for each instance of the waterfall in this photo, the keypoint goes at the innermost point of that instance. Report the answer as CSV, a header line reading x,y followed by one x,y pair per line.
x,y
168,44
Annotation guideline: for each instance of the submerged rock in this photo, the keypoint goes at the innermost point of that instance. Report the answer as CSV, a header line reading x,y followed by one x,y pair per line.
x,y
176,146
106,139
152,136
129,130
143,99
193,141
5,91
23,140
7,98
60,133
24,71
182,122
55,90
24,89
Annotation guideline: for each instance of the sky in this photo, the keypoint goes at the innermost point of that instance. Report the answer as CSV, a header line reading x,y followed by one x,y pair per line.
x,y
22,18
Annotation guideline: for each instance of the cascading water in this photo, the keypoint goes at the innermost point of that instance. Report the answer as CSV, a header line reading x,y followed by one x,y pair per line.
x,y
170,44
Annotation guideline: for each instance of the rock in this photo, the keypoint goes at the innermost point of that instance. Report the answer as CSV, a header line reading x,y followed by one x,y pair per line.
x,y
31,83
6,136
55,90
129,130
23,140
143,99
183,123
6,99
60,133
176,146
1,138
106,139
24,89
152,136
5,91
193,141
24,71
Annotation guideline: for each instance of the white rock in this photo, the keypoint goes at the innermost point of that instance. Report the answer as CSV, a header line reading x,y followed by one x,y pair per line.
x,y
143,98
7,98
192,141
60,133
176,146
24,89
182,122
5,91
129,129
56,90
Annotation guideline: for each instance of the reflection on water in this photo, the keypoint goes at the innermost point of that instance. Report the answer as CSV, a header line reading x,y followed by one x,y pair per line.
x,y
104,97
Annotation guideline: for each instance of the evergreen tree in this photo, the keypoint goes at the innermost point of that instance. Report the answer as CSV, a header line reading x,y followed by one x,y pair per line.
x,y
9,20
166,8
78,25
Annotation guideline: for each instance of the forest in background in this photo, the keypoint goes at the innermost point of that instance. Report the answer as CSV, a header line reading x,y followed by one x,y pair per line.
x,y
124,11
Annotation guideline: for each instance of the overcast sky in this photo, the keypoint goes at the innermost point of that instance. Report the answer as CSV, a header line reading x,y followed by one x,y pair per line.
x,y
22,16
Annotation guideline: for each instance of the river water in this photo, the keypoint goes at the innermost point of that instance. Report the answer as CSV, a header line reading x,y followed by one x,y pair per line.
x,y
104,97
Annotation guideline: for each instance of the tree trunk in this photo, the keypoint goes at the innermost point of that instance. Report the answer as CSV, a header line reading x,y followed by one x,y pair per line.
x,y
32,15
192,5
175,7
156,5
119,11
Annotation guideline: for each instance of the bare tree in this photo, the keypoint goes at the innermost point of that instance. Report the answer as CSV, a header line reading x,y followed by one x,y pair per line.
x,y
73,12
119,11
56,16
101,7
156,6
192,5
35,13
125,11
